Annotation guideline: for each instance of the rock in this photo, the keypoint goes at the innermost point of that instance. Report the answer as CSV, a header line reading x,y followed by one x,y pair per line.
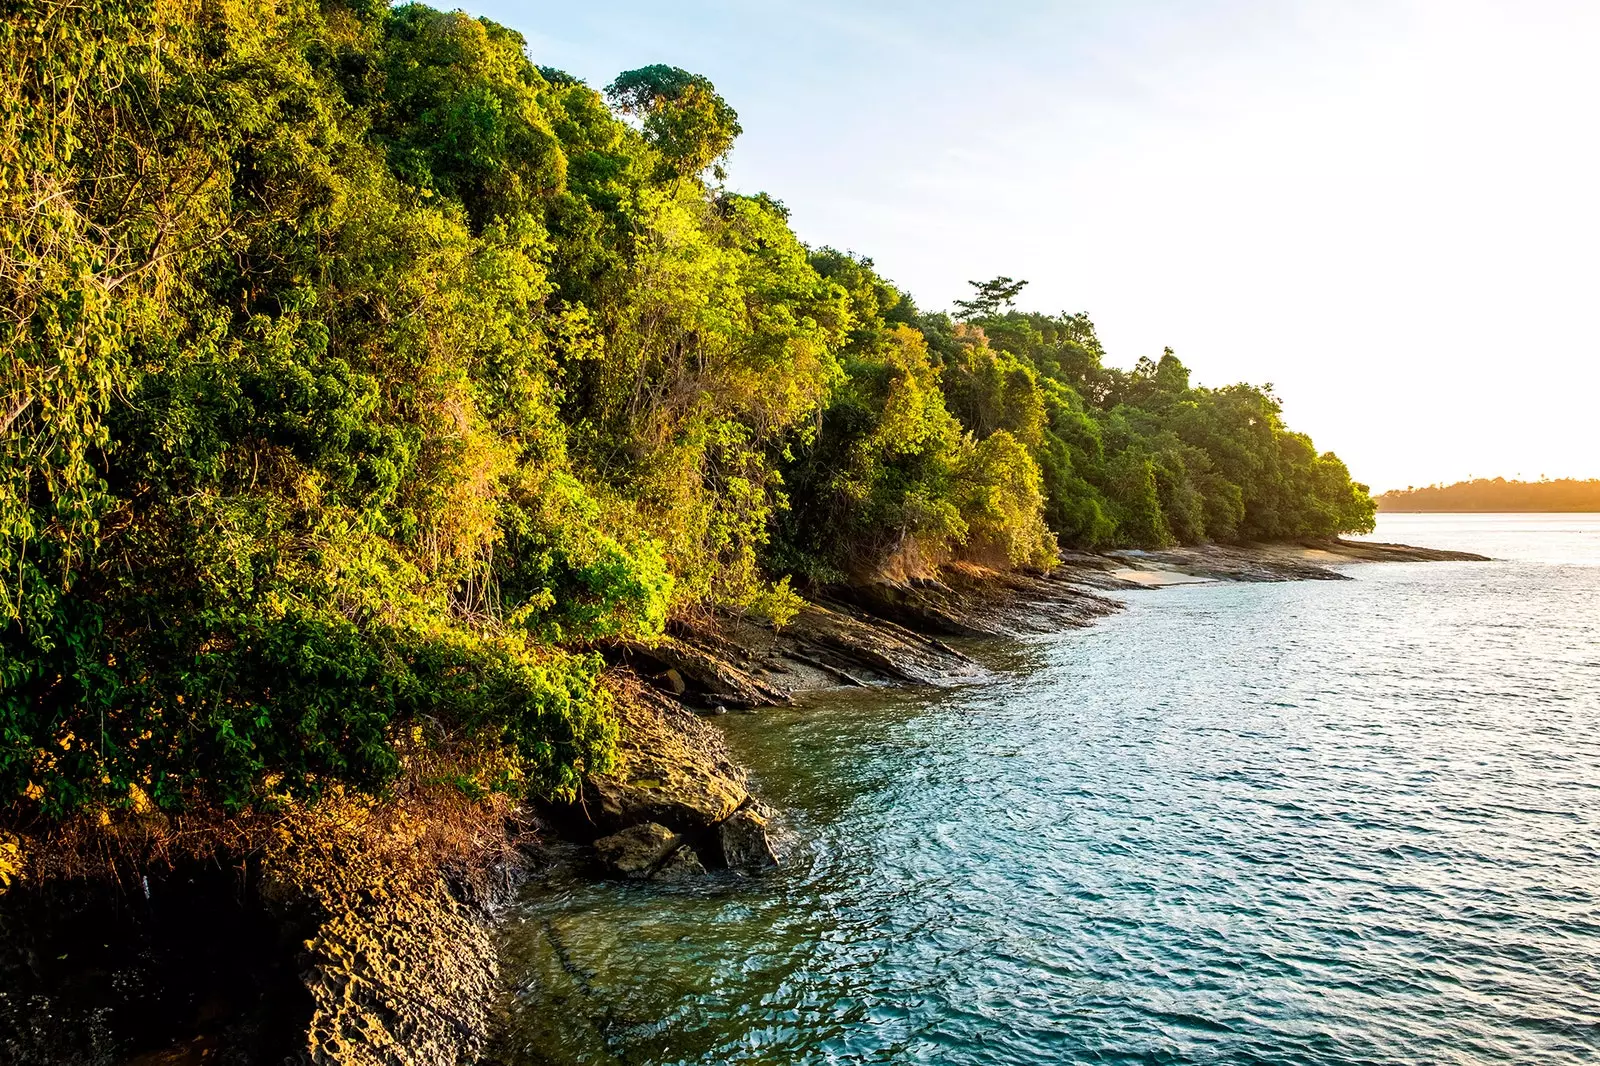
x,y
925,607
705,663
333,936
674,682
1377,551
672,768
400,970
857,649
681,865
970,600
744,842
1304,560
637,850
401,979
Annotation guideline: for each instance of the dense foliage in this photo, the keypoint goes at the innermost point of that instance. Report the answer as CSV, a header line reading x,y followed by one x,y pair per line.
x,y
1485,495
359,378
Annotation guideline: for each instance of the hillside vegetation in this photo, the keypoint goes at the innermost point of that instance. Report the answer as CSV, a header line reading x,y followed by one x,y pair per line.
x,y
1484,495
360,378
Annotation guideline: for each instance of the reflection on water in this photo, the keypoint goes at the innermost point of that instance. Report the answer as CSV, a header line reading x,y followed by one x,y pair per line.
x,y
1321,822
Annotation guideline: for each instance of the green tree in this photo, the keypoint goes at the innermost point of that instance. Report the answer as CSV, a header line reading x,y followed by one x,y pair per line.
x,y
990,298
684,118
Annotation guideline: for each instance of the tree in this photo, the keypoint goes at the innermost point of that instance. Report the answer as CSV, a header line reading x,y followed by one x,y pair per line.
x,y
684,118
992,297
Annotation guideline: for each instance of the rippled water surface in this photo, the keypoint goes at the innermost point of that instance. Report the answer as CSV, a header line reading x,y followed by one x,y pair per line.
x,y
1317,822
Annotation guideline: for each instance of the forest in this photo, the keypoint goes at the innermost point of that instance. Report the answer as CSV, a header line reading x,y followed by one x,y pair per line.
x,y
1497,495
361,381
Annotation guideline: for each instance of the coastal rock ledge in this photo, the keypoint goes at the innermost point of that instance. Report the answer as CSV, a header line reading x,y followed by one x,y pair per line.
x,y
673,802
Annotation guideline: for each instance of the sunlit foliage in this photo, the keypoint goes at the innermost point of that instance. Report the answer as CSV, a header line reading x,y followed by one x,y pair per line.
x,y
360,380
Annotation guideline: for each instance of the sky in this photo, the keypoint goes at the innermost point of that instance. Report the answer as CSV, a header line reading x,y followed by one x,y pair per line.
x,y
1390,211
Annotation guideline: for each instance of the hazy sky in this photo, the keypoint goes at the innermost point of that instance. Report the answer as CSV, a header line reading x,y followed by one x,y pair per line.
x,y
1386,209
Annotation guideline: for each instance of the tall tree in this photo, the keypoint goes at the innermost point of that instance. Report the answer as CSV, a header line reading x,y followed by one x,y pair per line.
x,y
684,119
992,297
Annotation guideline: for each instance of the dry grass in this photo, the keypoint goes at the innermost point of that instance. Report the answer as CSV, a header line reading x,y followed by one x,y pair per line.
x,y
431,819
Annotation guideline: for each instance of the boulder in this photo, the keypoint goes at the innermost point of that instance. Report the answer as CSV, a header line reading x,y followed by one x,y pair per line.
x,y
637,850
681,865
744,842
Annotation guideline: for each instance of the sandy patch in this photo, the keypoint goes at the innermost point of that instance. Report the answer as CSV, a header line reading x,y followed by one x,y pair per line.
x,y
1154,579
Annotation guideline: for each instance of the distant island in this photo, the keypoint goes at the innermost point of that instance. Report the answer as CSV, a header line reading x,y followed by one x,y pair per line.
x,y
1482,494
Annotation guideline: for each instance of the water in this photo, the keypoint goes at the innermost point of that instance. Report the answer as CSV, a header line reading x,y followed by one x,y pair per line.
x,y
1317,822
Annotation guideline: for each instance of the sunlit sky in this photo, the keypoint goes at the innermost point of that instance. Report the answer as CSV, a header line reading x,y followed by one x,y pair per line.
x,y
1386,209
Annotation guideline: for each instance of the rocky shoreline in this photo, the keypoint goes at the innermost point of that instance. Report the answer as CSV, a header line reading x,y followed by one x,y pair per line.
x,y
351,942
889,633
676,790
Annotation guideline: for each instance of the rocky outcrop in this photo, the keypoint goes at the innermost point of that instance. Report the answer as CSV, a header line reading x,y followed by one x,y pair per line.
x,y
744,841
349,932
398,957
973,601
1372,551
659,812
857,649
672,769
401,977
736,662
702,667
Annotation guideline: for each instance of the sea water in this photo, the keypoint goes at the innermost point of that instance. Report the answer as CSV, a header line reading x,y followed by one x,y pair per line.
x,y
1311,822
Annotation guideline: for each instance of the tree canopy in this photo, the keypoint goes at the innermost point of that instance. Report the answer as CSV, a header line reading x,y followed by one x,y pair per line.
x,y
684,118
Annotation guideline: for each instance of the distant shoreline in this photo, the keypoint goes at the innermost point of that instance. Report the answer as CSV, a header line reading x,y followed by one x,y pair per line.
x,y
1497,496
1487,510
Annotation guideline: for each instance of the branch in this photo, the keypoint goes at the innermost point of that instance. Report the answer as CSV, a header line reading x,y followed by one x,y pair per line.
x,y
16,413
26,401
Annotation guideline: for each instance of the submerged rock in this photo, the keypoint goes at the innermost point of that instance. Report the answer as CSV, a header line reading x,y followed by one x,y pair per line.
x,y
744,842
637,850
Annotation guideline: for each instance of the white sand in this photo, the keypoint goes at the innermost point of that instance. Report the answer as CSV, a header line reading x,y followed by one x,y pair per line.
x,y
1153,579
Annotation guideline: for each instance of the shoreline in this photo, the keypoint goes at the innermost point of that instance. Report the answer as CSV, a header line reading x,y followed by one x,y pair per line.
x,y
888,633
333,957
678,804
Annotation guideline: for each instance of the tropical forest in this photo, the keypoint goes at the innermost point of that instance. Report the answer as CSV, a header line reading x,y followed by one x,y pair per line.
x,y
362,382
